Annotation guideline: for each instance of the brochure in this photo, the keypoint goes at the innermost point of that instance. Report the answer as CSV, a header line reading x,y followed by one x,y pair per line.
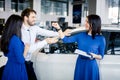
x,y
80,52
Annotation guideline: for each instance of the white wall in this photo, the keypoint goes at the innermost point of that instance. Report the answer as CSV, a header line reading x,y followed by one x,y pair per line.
x,y
37,8
92,6
102,10
99,7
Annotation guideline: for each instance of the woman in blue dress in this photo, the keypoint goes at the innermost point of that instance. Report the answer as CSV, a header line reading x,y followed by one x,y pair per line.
x,y
92,42
14,49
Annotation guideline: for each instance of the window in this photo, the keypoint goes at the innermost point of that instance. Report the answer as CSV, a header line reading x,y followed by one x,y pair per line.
x,y
60,8
23,5
54,7
112,36
2,5
114,11
19,5
113,46
46,7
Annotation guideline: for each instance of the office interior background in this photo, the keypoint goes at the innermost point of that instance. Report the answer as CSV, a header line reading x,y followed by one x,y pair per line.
x,y
69,14
74,11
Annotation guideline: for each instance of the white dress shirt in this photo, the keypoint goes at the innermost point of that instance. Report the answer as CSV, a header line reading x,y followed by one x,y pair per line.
x,y
29,36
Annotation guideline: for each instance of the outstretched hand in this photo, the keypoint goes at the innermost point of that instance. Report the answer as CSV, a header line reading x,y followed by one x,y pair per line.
x,y
67,32
56,25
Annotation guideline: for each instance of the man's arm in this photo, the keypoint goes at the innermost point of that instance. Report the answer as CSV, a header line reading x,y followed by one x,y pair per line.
x,y
45,32
40,44
50,33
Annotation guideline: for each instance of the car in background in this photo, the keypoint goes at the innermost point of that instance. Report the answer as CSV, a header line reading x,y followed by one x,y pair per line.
x,y
59,64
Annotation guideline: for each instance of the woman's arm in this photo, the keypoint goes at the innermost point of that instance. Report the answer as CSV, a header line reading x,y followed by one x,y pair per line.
x,y
96,56
101,49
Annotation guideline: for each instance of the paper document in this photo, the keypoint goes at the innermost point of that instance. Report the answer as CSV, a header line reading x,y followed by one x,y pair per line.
x,y
82,53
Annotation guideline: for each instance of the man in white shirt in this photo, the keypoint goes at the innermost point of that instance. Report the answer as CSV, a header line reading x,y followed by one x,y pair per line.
x,y
29,33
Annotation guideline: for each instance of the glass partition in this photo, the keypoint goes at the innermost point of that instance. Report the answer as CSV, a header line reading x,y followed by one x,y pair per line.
x,y
19,5
54,7
114,11
2,5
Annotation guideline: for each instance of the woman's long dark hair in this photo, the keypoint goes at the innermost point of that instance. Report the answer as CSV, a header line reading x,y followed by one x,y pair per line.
x,y
95,24
12,27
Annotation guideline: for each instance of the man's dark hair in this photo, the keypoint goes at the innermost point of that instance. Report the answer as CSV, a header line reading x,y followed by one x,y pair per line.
x,y
27,12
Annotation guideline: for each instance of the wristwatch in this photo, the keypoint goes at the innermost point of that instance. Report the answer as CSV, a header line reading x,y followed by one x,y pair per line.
x,y
58,29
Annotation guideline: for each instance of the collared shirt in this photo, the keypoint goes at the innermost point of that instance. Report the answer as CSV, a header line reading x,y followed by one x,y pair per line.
x,y
29,36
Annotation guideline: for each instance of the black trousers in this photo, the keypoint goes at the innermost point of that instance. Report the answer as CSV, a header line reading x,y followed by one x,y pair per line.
x,y
30,70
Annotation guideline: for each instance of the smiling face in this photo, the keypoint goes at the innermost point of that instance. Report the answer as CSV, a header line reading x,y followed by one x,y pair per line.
x,y
31,19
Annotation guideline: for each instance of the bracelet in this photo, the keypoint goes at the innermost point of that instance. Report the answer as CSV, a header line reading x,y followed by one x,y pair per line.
x,y
58,29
